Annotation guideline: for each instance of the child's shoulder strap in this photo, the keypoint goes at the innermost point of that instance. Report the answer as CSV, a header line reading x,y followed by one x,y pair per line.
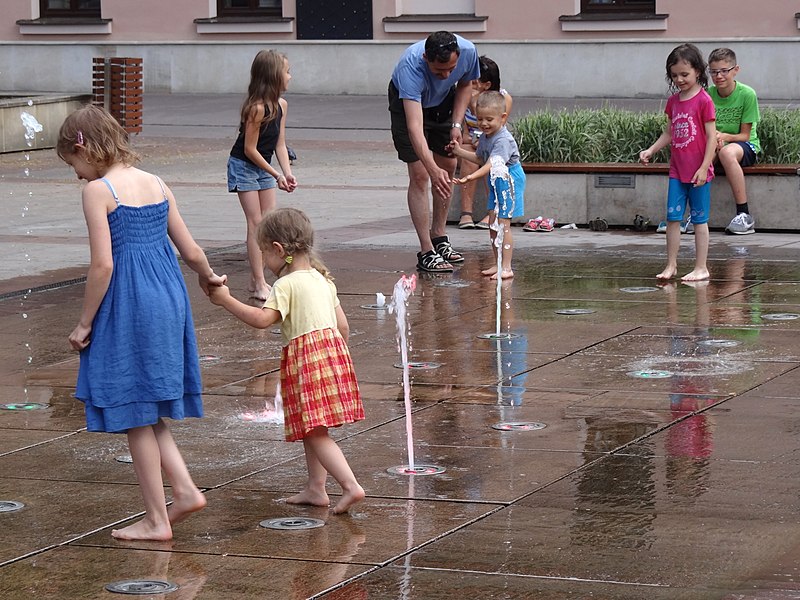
x,y
161,185
111,189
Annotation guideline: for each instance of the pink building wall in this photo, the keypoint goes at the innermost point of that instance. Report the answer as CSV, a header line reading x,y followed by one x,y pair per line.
x,y
173,20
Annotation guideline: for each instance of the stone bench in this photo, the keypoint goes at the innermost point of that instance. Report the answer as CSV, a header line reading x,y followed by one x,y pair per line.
x,y
617,192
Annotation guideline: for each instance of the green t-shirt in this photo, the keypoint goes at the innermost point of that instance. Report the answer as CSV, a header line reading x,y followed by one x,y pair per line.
x,y
740,107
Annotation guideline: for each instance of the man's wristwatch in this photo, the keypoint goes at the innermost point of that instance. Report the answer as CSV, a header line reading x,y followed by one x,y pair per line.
x,y
456,125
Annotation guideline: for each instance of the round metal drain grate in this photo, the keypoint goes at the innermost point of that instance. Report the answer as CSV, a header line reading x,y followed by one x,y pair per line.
x,y
20,406
10,505
375,306
416,470
124,458
498,336
518,426
419,365
639,290
206,358
574,311
720,343
650,374
781,316
292,523
142,587
452,284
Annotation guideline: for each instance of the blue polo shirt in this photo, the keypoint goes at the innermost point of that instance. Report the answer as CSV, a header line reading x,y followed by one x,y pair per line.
x,y
414,80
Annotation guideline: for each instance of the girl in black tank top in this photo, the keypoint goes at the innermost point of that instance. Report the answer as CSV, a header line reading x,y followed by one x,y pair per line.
x,y
262,133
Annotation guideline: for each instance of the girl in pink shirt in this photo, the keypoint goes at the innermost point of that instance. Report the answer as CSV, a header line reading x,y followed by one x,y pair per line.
x,y
691,135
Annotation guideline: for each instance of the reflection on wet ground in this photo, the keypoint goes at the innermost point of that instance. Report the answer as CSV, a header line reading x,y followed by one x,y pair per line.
x,y
625,440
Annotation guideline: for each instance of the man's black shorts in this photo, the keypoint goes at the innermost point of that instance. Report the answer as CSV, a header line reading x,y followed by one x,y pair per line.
x,y
436,123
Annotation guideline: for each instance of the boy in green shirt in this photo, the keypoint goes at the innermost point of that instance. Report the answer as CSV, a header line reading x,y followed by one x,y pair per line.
x,y
737,136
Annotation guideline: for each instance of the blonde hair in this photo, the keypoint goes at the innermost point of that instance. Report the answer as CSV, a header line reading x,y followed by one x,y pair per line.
x,y
292,229
104,140
266,85
491,99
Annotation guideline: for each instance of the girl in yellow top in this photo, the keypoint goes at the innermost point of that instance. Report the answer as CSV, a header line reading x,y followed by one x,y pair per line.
x,y
318,382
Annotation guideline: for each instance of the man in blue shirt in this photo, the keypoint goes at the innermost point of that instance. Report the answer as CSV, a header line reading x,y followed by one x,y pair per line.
x,y
428,95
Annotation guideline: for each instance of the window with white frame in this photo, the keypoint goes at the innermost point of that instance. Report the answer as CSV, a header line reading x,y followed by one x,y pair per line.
x,y
249,8
69,9
618,6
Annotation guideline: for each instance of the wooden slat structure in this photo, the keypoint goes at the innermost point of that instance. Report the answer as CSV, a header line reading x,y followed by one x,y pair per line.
x,y
117,86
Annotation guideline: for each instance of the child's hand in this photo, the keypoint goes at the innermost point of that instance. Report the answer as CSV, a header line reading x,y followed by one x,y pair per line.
x,y
700,177
291,183
79,338
460,180
214,281
645,156
453,147
219,294
720,140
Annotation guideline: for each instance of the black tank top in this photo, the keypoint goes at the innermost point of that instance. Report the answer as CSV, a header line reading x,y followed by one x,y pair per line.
x,y
267,139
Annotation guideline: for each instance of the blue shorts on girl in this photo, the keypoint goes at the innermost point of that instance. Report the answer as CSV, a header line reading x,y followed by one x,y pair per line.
x,y
698,198
244,176
512,197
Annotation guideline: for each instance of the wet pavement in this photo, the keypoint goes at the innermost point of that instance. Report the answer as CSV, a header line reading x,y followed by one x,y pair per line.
x,y
644,446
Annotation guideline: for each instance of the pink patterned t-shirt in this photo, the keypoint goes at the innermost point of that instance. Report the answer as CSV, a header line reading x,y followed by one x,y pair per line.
x,y
687,125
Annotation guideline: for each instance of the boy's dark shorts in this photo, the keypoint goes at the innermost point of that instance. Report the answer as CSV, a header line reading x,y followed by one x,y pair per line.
x,y
748,154
436,123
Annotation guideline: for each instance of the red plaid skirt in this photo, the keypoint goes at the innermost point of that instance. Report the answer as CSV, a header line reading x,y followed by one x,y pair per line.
x,y
318,384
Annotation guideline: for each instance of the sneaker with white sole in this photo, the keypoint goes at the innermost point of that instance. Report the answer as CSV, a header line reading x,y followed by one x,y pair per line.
x,y
662,227
741,224
689,229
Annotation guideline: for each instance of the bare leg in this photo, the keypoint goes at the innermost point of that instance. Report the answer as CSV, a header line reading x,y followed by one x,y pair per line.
x,y
186,498
147,464
468,189
508,250
441,205
673,244
255,205
418,206
729,157
492,269
314,493
332,459
700,272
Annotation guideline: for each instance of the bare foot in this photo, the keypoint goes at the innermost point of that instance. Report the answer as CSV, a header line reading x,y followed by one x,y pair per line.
x,y
259,293
143,530
309,497
667,273
183,507
348,499
506,274
696,275
490,271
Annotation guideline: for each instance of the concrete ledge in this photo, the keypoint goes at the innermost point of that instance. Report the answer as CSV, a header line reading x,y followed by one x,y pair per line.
x,y
49,110
618,192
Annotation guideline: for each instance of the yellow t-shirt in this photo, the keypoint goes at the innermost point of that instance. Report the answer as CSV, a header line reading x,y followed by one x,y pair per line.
x,y
307,302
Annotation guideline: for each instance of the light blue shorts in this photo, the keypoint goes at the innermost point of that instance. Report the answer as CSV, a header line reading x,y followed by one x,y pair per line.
x,y
246,177
511,205
698,198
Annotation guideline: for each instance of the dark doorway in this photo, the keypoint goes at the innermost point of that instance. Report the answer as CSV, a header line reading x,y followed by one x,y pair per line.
x,y
334,19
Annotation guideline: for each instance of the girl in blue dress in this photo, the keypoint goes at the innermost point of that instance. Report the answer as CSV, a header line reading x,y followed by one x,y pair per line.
x,y
138,353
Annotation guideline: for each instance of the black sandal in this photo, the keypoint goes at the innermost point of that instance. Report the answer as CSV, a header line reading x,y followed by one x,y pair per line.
x,y
466,224
431,262
444,249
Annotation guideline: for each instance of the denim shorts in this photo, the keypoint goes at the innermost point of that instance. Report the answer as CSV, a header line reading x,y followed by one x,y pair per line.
x,y
246,177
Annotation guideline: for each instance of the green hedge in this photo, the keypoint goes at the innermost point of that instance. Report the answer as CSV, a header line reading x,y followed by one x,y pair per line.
x,y
615,135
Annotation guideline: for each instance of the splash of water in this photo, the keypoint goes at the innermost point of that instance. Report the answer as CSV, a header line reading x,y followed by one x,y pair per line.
x,y
404,287
503,187
268,415
32,127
